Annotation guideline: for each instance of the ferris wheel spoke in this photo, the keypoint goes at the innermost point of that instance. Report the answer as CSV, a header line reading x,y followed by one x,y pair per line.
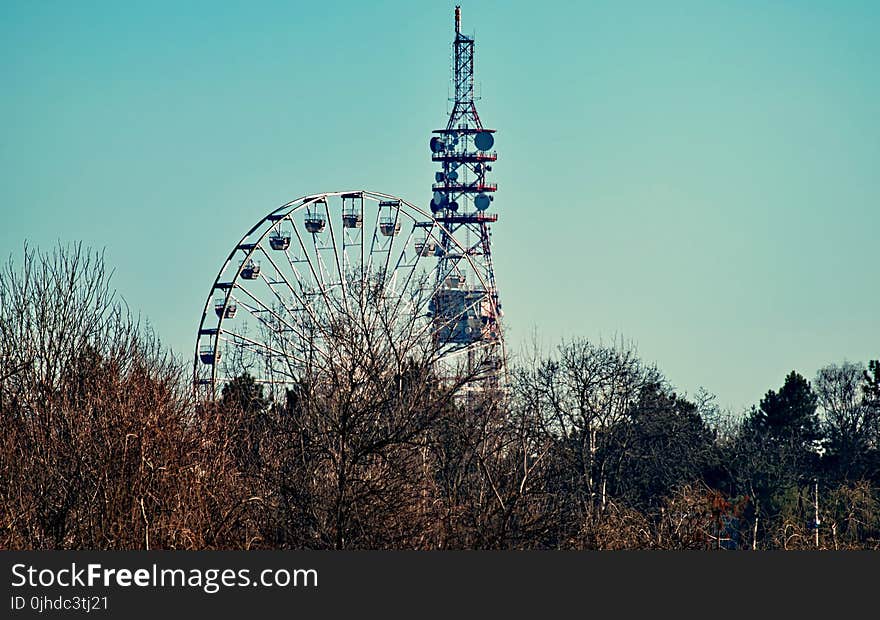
x,y
290,259
399,263
351,235
298,295
395,227
361,236
275,335
453,318
298,276
272,329
374,241
306,305
342,282
318,281
305,336
261,360
412,269
319,251
238,339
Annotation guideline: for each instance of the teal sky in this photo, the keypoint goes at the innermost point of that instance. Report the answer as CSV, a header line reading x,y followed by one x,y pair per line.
x,y
698,177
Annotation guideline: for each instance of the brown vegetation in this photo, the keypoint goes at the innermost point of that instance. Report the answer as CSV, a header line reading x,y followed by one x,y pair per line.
x,y
104,446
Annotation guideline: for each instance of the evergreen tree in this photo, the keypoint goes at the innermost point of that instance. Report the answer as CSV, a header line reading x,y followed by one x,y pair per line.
x,y
774,460
871,389
663,445
243,401
245,395
788,417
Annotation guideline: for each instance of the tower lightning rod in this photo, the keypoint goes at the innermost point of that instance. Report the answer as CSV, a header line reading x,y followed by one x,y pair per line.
x,y
458,19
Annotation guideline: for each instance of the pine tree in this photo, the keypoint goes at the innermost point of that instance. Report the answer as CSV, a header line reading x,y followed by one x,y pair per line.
x,y
789,415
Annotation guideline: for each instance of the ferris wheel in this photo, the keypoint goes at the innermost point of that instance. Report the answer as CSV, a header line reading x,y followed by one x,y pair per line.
x,y
317,274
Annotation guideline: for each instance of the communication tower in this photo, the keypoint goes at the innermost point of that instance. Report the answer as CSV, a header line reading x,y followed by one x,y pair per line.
x,y
467,308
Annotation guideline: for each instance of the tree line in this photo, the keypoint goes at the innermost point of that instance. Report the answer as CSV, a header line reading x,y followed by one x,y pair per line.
x,y
104,445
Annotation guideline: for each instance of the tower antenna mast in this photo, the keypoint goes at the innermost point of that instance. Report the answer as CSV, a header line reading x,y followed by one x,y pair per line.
x,y
467,304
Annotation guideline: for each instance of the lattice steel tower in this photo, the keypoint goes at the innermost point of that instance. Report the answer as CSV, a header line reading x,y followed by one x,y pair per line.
x,y
462,197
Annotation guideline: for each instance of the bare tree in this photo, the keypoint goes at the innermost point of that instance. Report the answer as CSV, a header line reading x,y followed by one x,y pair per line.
x,y
100,446
851,424
581,395
344,459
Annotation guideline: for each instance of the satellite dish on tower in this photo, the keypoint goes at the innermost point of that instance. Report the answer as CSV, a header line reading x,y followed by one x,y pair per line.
x,y
481,202
484,140
437,144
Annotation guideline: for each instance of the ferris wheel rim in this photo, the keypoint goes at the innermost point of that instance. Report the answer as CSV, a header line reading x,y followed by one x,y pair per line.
x,y
286,211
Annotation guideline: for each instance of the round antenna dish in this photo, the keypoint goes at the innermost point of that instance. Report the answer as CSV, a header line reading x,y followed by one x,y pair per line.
x,y
453,206
437,145
452,176
484,140
438,201
481,202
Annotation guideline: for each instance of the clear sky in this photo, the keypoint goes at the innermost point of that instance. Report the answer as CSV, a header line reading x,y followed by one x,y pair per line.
x,y
698,177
